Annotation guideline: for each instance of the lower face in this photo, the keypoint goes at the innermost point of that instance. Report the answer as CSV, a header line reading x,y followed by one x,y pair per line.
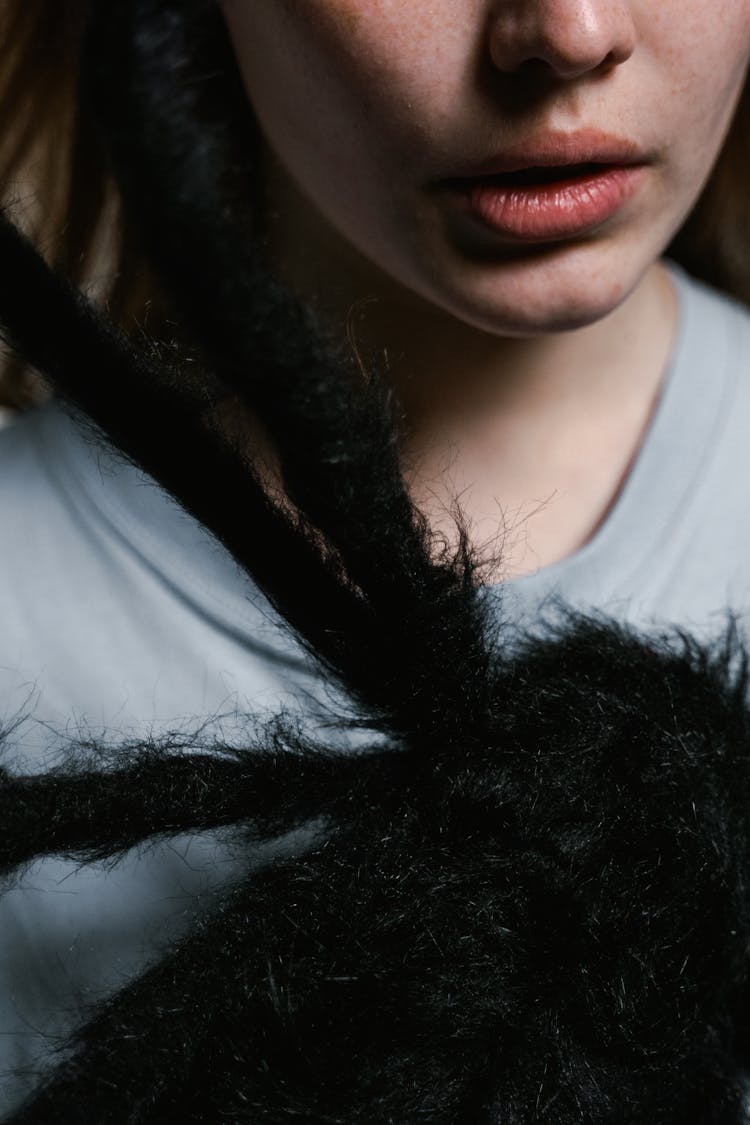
x,y
377,115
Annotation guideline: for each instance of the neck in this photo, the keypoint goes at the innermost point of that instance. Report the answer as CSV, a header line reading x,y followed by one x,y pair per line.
x,y
453,379
534,433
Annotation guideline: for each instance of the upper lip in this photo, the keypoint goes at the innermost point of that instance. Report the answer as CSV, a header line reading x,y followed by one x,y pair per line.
x,y
550,150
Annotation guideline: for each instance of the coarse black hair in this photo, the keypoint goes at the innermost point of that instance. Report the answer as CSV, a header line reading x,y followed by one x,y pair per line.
x,y
527,901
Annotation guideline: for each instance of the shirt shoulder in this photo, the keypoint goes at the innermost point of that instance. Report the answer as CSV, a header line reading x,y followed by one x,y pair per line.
x,y
40,536
674,548
119,613
24,477
692,494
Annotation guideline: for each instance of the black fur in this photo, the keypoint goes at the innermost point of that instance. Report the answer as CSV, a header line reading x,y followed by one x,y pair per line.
x,y
549,925
528,902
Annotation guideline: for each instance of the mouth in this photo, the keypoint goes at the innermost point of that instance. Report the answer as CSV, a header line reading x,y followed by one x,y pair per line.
x,y
547,202
541,176
550,187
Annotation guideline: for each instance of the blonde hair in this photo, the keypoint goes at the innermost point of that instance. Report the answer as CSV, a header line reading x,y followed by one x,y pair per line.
x,y
54,178
55,181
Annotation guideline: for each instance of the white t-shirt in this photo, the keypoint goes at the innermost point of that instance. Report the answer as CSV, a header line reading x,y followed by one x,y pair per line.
x,y
119,615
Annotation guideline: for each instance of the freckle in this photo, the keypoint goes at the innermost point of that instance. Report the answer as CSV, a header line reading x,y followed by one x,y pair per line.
x,y
349,18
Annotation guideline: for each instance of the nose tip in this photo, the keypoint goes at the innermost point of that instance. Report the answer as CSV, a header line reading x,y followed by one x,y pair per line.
x,y
568,38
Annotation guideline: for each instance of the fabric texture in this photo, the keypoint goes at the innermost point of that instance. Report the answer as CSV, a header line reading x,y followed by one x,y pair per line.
x,y
122,617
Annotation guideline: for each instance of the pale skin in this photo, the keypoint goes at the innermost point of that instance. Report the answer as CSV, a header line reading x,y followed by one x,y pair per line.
x,y
528,374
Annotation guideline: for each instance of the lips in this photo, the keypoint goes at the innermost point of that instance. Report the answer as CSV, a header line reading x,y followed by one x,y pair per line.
x,y
541,176
553,149
555,187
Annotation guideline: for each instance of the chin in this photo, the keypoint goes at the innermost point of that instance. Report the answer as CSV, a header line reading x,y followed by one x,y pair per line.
x,y
542,314
561,289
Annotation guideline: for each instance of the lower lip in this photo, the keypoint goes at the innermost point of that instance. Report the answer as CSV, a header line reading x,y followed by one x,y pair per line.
x,y
552,211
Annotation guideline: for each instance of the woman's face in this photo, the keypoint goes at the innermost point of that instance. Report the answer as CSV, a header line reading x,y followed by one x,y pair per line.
x,y
407,135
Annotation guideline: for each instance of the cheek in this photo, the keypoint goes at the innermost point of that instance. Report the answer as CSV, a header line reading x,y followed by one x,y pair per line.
x,y
366,71
293,58
705,44
346,93
701,50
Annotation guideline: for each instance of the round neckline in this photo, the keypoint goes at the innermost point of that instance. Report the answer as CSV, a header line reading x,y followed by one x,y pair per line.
x,y
191,561
620,543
